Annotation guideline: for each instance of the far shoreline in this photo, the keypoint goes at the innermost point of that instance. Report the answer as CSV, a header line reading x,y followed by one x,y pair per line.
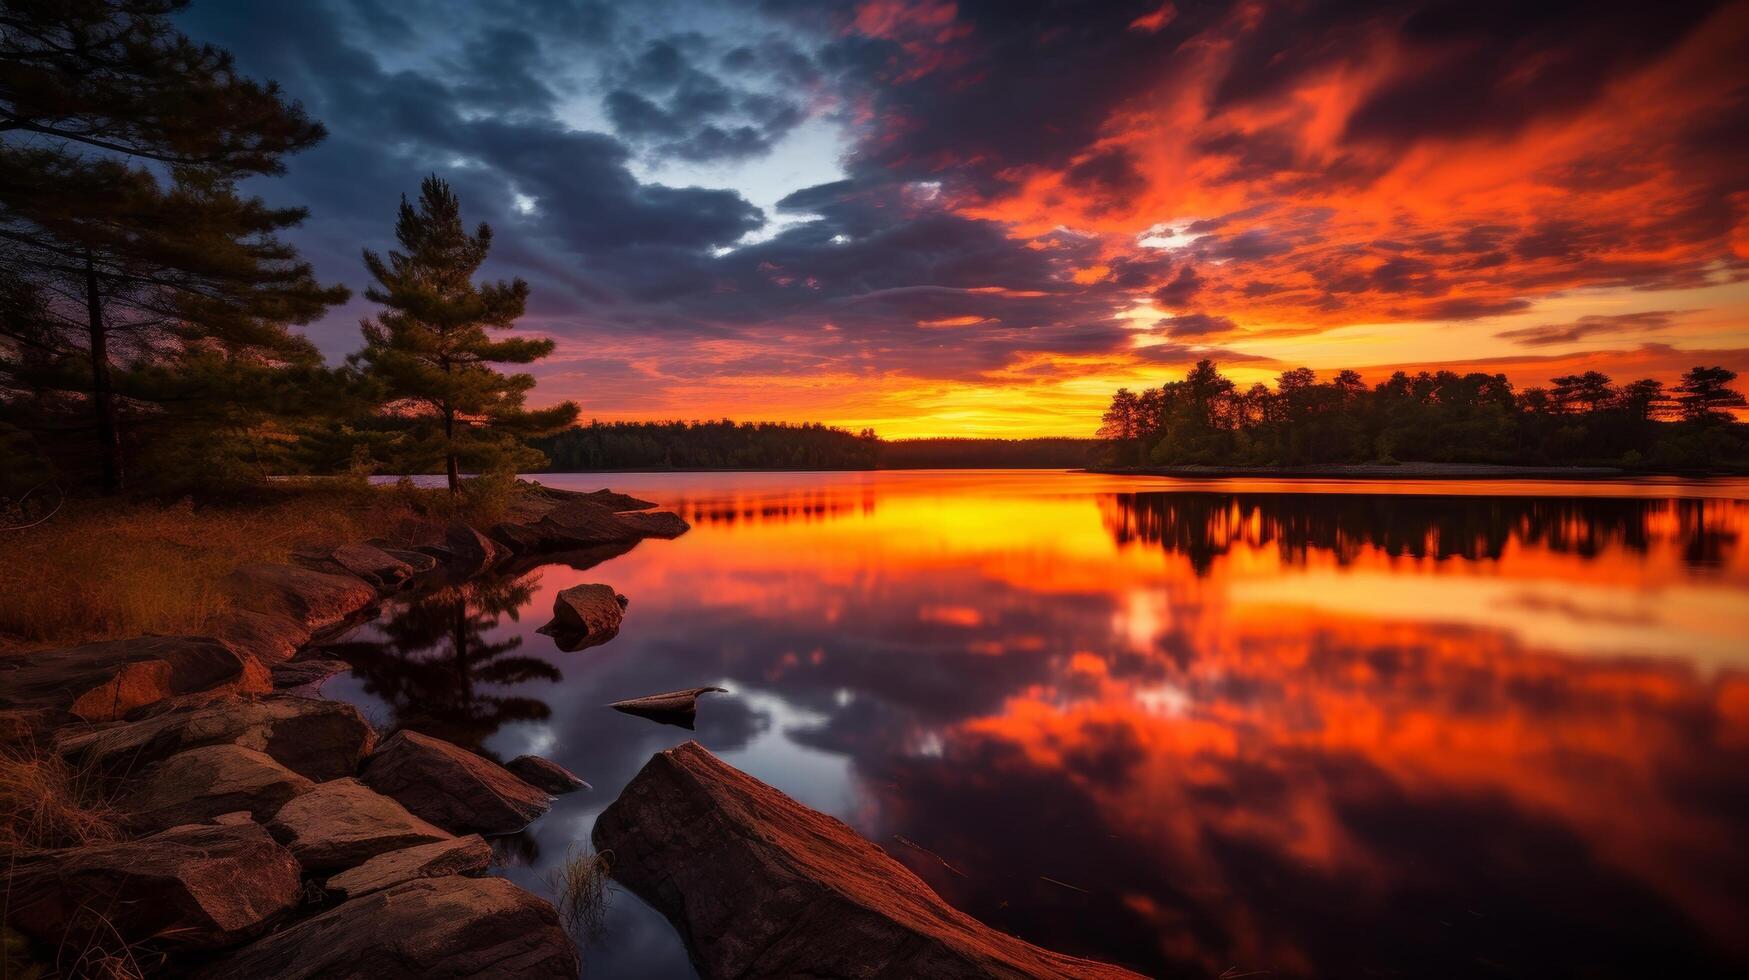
x,y
1411,471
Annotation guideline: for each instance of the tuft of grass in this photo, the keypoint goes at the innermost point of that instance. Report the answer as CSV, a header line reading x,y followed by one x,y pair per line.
x,y
45,802
108,569
580,892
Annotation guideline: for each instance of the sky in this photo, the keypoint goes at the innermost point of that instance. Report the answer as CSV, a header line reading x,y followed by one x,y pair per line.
x,y
980,218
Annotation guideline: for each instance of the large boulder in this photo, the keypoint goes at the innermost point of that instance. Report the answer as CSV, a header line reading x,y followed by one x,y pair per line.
x,y
312,737
343,823
452,787
468,855
188,887
585,616
106,681
545,774
428,929
203,783
761,886
315,600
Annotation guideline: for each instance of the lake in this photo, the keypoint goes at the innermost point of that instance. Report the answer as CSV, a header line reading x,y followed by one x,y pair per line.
x,y
1200,728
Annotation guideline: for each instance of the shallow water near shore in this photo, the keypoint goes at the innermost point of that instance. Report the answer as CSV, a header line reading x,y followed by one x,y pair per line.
x,y
1313,728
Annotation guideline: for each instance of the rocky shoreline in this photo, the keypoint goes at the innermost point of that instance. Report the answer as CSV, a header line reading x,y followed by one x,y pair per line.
x,y
270,834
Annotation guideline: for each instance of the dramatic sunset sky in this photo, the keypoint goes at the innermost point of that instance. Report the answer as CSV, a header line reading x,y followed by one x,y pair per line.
x,y
979,218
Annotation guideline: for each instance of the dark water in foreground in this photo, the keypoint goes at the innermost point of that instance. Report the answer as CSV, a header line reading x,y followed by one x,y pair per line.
x,y
1198,728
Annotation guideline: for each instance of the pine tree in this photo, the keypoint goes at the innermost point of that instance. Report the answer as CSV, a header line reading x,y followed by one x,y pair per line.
x,y
121,143
431,352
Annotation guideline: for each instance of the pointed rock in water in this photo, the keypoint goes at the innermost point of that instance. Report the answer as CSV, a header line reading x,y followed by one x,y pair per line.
x,y
427,929
452,787
585,616
201,784
761,886
308,673
190,887
545,774
107,681
468,855
471,548
313,737
343,823
670,708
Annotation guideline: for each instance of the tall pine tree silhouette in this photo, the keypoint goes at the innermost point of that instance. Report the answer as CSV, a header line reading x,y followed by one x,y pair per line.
x,y
431,351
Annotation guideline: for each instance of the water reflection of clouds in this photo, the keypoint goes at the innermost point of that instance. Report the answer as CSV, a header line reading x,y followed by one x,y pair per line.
x,y
1315,737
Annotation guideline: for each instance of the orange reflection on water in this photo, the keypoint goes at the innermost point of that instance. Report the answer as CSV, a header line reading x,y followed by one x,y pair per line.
x,y
1349,729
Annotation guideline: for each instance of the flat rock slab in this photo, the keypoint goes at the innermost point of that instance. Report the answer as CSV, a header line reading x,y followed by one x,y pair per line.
x,y
366,561
429,929
585,616
188,887
468,855
761,886
207,782
312,737
343,823
270,638
307,674
314,600
452,787
656,524
106,681
670,708
545,774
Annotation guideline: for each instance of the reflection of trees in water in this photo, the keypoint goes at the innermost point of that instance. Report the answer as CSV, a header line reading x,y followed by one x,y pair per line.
x,y
431,662
1205,526
799,507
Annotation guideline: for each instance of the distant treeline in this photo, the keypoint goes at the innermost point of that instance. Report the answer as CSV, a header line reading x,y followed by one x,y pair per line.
x,y
730,445
932,454
1581,419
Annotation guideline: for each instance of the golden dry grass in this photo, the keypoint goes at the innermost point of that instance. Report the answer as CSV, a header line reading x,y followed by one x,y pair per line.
x,y
580,893
105,569
45,802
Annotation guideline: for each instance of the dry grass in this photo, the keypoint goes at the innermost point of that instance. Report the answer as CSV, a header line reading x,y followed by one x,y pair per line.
x,y
45,802
105,569
580,892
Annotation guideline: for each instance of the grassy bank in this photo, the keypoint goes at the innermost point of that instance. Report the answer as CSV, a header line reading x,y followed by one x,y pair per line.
x,y
105,569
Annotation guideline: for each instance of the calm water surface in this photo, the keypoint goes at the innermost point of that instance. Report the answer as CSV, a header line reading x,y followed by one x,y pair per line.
x,y
1199,728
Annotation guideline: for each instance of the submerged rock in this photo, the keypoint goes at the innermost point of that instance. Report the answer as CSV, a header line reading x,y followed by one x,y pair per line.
x,y
468,855
106,681
343,823
315,600
760,886
188,887
207,782
428,929
545,774
452,787
670,708
585,616
315,738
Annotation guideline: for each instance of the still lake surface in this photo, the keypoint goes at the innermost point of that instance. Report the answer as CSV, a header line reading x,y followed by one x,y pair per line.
x,y
1200,728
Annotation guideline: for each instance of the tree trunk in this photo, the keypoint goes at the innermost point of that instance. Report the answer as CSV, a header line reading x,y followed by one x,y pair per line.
x,y
102,397
455,481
